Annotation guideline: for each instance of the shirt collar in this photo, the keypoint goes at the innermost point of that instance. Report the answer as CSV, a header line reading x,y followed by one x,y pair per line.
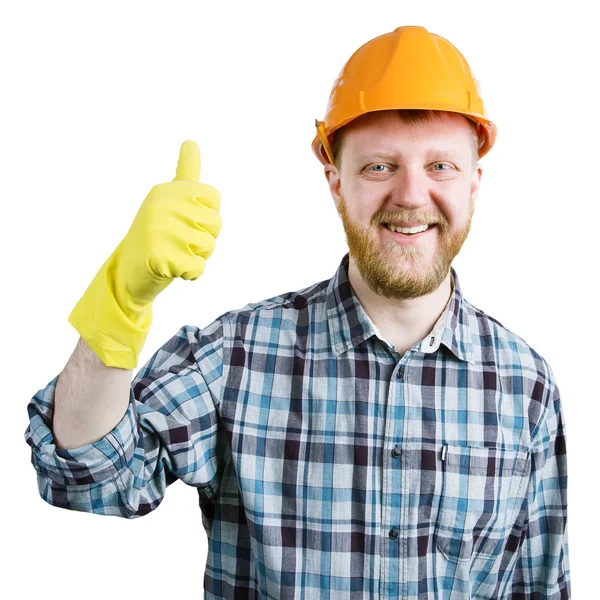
x,y
349,324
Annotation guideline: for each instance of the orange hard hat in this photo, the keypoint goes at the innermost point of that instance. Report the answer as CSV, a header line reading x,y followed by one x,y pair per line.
x,y
406,68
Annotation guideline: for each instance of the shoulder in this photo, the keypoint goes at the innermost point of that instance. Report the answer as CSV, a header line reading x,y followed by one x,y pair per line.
x,y
518,368
488,333
242,322
285,305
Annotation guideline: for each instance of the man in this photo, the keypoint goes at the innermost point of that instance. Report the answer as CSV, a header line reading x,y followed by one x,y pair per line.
x,y
373,435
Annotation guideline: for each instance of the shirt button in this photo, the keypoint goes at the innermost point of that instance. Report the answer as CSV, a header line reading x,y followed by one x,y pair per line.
x,y
393,533
396,452
400,373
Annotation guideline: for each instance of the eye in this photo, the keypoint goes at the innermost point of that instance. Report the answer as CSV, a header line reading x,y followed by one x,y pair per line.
x,y
376,166
437,164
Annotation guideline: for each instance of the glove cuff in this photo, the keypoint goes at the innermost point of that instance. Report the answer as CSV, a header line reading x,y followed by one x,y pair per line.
x,y
115,338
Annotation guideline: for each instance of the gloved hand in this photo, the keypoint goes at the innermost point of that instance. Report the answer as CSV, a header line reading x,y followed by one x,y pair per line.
x,y
172,235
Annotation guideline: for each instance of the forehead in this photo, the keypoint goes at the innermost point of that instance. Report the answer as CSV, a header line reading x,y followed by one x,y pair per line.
x,y
384,133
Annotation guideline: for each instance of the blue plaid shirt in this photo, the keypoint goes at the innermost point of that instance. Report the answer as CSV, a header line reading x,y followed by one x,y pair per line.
x,y
330,466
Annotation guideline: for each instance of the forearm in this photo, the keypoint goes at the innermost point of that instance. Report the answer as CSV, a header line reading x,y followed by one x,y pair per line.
x,y
90,399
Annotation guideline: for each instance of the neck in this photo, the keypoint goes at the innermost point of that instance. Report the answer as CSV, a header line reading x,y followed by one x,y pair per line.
x,y
402,322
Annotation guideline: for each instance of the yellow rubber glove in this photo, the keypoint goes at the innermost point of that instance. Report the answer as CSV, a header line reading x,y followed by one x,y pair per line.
x,y
172,235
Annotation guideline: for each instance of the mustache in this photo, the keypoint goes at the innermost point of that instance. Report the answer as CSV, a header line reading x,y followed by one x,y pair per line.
x,y
407,218
426,218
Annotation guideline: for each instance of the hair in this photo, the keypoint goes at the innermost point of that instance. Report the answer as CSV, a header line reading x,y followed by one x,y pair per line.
x,y
407,115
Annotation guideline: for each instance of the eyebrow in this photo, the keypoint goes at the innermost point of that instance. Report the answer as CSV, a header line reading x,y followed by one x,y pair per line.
x,y
443,154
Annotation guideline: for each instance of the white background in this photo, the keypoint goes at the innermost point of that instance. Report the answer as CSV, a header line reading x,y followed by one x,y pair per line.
x,y
96,100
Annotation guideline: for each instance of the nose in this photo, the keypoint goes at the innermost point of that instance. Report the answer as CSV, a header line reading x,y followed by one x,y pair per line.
x,y
411,189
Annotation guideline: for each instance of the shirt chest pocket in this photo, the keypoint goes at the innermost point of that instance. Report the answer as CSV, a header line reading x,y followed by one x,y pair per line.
x,y
482,493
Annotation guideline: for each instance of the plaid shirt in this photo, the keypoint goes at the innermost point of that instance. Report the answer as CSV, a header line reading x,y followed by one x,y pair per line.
x,y
328,465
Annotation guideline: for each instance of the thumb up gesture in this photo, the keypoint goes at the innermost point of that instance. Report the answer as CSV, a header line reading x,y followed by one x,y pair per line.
x,y
172,235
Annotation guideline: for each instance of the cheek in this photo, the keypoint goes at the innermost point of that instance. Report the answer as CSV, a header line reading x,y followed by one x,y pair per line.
x,y
362,211
456,207
367,206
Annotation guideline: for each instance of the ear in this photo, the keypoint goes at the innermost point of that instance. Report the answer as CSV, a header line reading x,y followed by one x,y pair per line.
x,y
333,177
476,182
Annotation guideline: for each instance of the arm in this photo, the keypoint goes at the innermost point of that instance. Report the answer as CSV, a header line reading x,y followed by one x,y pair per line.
x,y
171,430
542,570
90,399
115,446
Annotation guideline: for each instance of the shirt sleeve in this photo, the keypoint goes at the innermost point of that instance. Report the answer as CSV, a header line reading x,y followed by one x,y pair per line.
x,y
542,570
171,430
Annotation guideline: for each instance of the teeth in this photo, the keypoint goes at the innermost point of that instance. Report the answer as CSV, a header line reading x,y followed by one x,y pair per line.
x,y
407,229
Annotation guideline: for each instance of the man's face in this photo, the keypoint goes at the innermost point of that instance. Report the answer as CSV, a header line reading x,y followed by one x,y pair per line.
x,y
394,172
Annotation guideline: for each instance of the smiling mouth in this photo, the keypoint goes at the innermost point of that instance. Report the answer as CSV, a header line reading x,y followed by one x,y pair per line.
x,y
408,235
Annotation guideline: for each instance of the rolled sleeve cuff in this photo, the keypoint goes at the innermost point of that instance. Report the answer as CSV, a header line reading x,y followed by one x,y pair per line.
x,y
89,464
